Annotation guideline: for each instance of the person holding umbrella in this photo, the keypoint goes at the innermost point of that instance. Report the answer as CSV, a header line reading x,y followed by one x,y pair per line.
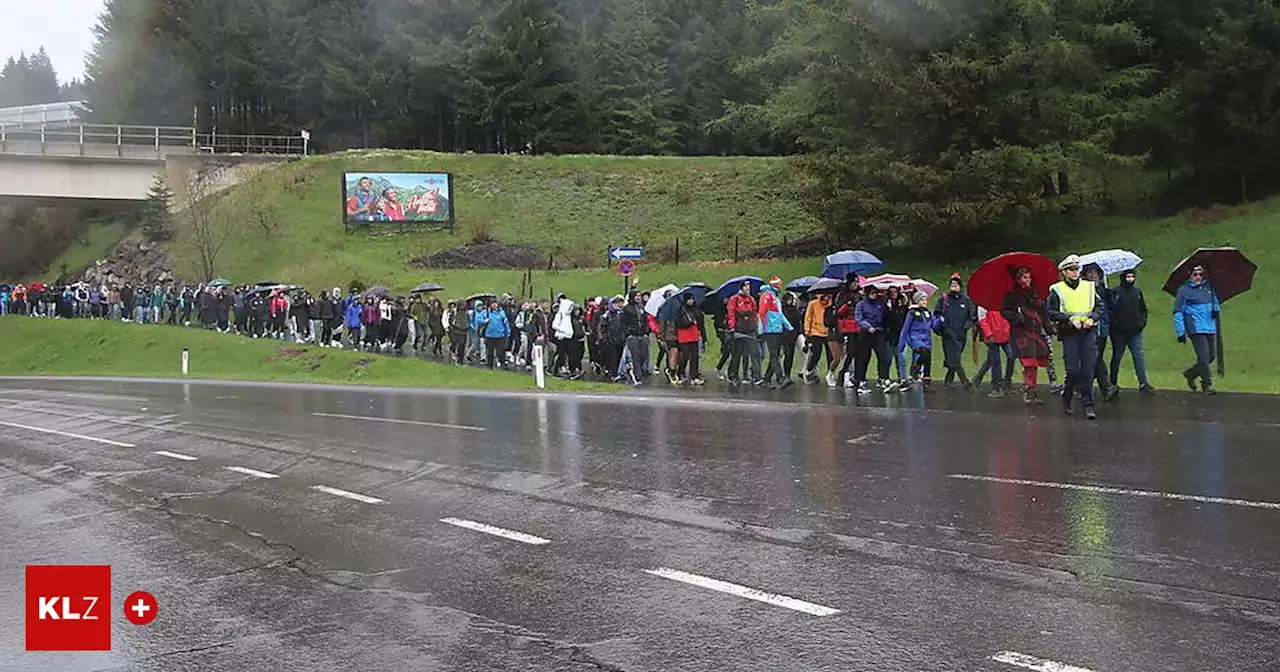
x,y
773,324
958,314
1028,326
740,317
691,332
819,322
1195,318
1073,308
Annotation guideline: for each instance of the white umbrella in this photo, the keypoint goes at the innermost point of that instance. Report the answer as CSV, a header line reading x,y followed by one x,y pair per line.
x,y
1111,261
657,297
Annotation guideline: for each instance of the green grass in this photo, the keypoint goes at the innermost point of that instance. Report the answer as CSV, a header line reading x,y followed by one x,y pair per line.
x,y
84,347
572,207
99,239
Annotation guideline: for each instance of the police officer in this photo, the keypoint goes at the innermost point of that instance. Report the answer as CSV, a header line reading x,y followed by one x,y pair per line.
x,y
1073,306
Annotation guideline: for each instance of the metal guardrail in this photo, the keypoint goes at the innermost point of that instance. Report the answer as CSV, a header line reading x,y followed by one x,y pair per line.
x,y
138,142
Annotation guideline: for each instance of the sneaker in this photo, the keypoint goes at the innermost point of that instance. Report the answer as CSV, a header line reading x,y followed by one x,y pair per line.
x,y
831,380
849,381
698,382
1147,389
1067,404
760,382
996,393
1209,391
864,388
1055,388
1028,397
890,387
1191,380
1089,414
787,382
675,380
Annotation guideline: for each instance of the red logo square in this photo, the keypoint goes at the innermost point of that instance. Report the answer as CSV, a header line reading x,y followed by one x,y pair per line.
x,y
68,607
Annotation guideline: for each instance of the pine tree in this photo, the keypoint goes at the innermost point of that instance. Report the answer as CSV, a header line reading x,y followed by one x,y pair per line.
x,y
156,220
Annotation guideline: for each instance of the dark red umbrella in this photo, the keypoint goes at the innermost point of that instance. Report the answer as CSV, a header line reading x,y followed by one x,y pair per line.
x,y
1230,272
994,279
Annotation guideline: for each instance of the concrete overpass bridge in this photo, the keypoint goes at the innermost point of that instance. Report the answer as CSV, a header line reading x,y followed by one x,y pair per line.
x,y
62,162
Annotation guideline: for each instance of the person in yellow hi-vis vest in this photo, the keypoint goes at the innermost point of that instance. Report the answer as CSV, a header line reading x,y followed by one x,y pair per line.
x,y
1073,307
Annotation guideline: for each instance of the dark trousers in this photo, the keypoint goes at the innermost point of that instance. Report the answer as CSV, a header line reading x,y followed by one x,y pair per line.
x,y
573,349
458,345
326,331
774,343
816,345
1206,351
868,343
851,345
1079,354
788,354
610,355
353,335
740,362
922,364
690,361
1100,367
726,347
496,348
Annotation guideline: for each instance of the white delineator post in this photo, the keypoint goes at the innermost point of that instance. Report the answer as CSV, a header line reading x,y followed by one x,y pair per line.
x,y
539,374
186,359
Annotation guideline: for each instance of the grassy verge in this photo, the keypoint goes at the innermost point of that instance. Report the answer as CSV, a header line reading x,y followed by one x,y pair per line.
x,y
84,347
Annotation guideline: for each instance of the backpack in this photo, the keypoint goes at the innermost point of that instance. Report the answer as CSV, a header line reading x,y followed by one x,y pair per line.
x,y
746,323
829,319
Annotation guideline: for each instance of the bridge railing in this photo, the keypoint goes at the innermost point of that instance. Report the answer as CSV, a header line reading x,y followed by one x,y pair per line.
x,y
138,142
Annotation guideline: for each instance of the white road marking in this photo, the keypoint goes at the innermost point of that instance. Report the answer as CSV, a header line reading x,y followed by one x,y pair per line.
x,y
176,456
109,442
496,531
1032,663
348,494
1121,491
401,422
743,591
251,472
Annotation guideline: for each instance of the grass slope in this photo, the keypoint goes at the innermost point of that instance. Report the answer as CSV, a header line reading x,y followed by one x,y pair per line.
x,y
574,207
99,239
84,347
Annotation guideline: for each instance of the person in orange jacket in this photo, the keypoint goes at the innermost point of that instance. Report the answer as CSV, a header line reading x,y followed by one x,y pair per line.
x,y
995,333
819,322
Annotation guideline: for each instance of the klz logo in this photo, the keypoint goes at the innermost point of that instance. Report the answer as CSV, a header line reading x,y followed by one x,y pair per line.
x,y
68,607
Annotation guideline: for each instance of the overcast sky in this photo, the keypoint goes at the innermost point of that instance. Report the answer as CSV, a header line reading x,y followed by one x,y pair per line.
x,y
63,27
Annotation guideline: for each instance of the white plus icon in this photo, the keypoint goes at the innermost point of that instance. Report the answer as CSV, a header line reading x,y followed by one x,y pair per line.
x,y
141,608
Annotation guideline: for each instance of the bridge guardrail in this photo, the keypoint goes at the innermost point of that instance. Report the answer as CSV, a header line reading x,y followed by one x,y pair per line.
x,y
138,142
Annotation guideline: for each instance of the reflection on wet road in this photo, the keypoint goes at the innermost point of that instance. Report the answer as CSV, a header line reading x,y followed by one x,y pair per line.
x,y
294,527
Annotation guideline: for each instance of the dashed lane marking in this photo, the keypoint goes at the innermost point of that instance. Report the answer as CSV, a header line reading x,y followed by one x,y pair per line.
x,y
1121,491
496,531
347,493
1037,664
398,421
743,591
109,442
252,472
176,456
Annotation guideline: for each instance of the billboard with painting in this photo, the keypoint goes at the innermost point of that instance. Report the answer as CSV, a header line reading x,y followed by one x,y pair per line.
x,y
407,198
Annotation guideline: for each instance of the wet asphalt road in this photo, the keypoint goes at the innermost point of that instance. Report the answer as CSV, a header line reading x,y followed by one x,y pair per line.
x,y
953,534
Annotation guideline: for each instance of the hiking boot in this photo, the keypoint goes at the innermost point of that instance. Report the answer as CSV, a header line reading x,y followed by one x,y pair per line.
x,y
1111,393
1089,414
1191,380
1209,390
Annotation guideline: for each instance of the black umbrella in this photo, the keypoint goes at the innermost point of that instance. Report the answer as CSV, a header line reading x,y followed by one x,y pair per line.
x,y
378,290
1229,272
427,287
480,297
268,283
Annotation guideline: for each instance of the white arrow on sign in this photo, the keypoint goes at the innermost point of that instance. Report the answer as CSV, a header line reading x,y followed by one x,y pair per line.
x,y
626,253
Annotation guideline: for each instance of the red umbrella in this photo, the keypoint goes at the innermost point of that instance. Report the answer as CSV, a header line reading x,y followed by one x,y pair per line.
x,y
1230,272
994,279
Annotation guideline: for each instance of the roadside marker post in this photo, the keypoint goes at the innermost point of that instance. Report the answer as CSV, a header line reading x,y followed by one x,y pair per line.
x,y
539,374
186,359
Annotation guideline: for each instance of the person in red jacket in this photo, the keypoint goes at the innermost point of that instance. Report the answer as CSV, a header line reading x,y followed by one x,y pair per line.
x,y
744,327
995,333
849,329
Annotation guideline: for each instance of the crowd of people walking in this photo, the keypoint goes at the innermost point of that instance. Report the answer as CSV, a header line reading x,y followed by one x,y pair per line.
x,y
764,332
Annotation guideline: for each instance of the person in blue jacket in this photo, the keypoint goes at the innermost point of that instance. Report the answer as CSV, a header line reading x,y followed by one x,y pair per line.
x,y
475,343
1195,318
917,334
496,329
773,324
872,316
351,314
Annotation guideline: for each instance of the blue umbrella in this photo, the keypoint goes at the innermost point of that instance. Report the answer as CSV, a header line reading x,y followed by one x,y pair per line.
x,y
671,307
732,285
801,285
841,264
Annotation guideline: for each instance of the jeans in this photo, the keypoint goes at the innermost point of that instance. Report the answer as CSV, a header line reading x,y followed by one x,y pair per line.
x,y
993,364
1100,369
1079,354
1206,351
1133,342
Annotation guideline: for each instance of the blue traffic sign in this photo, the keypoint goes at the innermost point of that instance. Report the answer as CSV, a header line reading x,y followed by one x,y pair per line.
x,y
626,253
